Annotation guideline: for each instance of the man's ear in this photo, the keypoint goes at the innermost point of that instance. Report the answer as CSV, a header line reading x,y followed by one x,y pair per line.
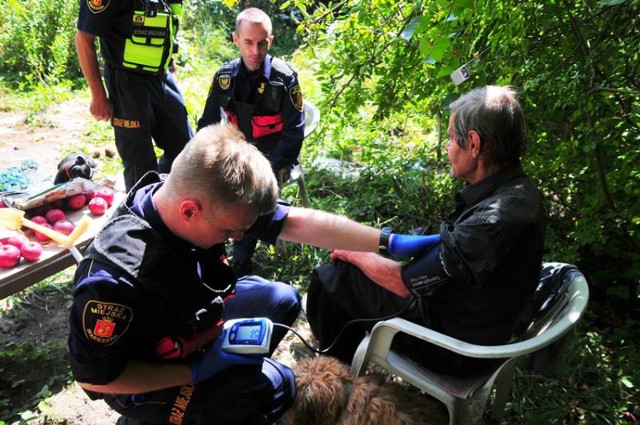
x,y
474,143
189,208
235,38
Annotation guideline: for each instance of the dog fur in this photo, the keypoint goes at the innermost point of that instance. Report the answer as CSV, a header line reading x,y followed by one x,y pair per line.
x,y
327,394
74,165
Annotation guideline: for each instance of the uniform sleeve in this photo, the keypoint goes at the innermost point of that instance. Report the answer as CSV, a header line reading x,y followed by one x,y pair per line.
x,y
97,19
211,113
267,227
101,325
288,148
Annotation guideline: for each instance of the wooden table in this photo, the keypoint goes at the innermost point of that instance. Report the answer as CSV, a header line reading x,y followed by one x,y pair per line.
x,y
54,258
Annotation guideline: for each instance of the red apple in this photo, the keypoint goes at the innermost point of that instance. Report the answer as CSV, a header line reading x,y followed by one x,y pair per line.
x,y
76,202
16,240
9,256
98,206
89,194
42,237
40,219
106,194
55,214
63,226
31,251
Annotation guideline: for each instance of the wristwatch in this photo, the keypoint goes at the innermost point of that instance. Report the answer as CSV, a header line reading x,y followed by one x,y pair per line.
x,y
383,246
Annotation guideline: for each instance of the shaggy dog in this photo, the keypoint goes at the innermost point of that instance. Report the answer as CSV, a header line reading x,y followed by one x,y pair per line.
x,y
327,394
74,165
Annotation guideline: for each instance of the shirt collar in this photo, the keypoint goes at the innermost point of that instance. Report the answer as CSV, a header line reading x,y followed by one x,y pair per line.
x,y
265,68
143,206
476,192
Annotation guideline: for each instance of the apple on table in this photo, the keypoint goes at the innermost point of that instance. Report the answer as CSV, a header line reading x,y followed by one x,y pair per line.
x,y
16,240
76,202
64,226
31,251
55,214
106,194
9,256
98,206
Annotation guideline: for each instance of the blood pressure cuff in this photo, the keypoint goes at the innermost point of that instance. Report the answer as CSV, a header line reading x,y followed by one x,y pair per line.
x,y
424,274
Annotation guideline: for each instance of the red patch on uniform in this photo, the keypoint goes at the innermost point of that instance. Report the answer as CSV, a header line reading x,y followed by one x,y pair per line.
x,y
104,328
104,323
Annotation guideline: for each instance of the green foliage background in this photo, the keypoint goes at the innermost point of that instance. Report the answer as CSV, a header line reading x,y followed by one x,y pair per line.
x,y
379,72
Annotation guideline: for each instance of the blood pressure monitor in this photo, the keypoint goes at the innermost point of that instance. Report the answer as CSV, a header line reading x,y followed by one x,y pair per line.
x,y
248,336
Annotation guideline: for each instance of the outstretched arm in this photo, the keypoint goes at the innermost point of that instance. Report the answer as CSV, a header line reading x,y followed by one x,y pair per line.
x,y
327,230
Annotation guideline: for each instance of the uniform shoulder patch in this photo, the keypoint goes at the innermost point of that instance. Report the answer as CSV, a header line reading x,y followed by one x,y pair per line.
x,y
296,97
224,81
97,6
104,323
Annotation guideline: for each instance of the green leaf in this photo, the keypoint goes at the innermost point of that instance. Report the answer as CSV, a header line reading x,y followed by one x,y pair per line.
x,y
408,31
605,3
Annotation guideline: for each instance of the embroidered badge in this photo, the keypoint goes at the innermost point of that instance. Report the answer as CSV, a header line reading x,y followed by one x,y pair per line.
x,y
296,97
224,81
104,323
261,88
97,6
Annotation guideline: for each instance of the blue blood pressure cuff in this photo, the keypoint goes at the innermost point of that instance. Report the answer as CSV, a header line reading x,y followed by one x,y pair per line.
x,y
424,274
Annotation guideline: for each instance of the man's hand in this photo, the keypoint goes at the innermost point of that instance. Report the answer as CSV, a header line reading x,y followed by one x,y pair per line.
x,y
213,360
101,108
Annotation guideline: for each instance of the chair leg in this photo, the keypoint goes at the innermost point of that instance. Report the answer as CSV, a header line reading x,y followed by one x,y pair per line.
x,y
303,191
358,368
503,391
471,410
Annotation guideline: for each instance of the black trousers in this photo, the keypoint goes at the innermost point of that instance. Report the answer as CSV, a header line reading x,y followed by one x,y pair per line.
x,y
146,109
339,293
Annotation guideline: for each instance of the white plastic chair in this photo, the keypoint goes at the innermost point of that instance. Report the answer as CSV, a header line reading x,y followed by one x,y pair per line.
x,y
466,398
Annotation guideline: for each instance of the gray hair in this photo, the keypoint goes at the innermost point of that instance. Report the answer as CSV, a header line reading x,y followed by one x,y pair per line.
x,y
219,167
495,114
254,16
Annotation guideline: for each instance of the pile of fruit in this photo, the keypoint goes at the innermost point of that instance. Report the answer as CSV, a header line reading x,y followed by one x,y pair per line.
x,y
18,245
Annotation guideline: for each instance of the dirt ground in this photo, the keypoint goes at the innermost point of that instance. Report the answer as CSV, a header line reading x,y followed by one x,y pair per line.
x,y
41,318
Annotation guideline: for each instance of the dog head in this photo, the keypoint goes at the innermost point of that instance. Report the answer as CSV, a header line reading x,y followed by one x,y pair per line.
x,y
323,386
328,394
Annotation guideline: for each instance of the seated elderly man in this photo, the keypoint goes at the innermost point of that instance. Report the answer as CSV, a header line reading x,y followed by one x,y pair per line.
x,y
473,283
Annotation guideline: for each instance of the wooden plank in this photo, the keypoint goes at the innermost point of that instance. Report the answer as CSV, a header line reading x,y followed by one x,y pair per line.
x,y
54,258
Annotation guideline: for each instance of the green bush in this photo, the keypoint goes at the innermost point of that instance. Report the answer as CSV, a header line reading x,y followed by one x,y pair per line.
x,y
36,41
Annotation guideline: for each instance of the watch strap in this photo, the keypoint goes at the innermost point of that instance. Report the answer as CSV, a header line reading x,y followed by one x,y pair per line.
x,y
383,245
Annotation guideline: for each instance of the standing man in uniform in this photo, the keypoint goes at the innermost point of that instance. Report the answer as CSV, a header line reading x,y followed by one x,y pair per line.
x,y
261,95
139,96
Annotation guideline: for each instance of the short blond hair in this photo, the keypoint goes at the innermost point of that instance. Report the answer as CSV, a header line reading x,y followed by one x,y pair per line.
x,y
220,167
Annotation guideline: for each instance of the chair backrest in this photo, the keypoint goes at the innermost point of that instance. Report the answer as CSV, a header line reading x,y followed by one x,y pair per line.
x,y
312,118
